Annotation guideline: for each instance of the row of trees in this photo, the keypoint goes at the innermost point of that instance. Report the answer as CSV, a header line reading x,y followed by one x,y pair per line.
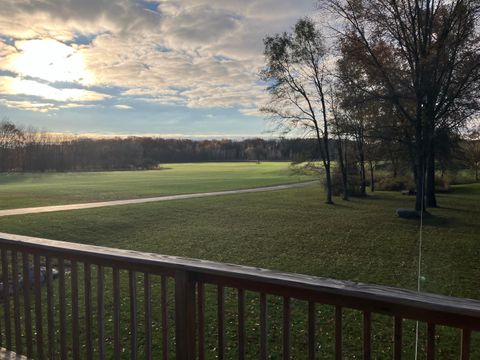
x,y
29,150
357,158
403,78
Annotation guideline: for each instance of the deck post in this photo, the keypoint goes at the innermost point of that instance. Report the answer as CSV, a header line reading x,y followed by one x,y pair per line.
x,y
185,326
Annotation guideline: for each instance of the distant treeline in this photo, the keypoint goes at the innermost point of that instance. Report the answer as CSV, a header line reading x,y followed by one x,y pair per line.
x,y
32,151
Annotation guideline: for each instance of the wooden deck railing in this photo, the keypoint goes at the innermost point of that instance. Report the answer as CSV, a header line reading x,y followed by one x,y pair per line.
x,y
65,300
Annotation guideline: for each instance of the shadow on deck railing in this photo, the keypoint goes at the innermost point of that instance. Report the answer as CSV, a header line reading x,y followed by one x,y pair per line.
x,y
189,309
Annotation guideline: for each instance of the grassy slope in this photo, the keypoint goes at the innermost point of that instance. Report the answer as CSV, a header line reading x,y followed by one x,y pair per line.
x,y
22,190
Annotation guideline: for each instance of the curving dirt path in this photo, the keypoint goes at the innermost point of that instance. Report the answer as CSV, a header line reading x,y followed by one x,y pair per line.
x,y
91,205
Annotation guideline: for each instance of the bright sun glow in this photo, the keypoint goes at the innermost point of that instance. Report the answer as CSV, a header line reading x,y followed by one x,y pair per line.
x,y
50,60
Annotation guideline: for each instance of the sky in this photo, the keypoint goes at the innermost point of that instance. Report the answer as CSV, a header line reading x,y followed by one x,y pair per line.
x,y
179,68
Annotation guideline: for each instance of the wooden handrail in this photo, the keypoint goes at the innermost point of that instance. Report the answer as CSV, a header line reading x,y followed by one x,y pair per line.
x,y
190,276
438,309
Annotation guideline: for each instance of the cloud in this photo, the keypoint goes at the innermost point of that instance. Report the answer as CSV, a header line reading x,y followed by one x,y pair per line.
x,y
122,107
193,53
17,86
61,19
39,106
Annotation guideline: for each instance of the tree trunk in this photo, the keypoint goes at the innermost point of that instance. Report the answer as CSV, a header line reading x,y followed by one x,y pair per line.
x,y
372,177
361,157
430,198
343,168
329,183
419,169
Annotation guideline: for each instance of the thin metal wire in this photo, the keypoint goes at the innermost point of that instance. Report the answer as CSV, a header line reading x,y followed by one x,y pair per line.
x,y
420,241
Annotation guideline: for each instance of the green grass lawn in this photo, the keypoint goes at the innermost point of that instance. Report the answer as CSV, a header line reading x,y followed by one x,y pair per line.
x,y
293,230
25,189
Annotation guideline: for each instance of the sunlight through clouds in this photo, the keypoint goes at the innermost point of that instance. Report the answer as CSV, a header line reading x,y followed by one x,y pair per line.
x,y
49,60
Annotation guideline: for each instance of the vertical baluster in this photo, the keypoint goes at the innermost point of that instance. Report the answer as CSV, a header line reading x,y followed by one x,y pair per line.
x,y
50,312
367,335
221,321
26,304
148,315
132,278
1,332
116,314
63,310
185,327
201,321
465,350
101,311
338,332
263,326
16,303
164,302
75,318
88,310
241,324
6,301
397,336
38,306
286,328
311,330
430,341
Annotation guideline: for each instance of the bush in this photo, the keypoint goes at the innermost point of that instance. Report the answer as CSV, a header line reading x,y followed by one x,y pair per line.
x,y
442,184
390,183
337,183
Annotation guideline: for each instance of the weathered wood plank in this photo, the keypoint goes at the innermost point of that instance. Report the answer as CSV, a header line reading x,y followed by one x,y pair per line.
x,y
221,321
185,315
38,307
75,310
16,303
286,328
26,304
132,279
63,310
101,311
241,324
148,315
165,332
50,309
87,283
6,300
263,326
367,335
201,320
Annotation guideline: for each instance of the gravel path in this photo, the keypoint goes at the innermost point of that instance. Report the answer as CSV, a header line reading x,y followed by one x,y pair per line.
x,y
44,209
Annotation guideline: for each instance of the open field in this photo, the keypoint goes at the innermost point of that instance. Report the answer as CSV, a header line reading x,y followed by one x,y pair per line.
x,y
41,189
293,230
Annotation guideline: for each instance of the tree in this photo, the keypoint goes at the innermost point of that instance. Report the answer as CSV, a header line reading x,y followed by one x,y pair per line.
x,y
421,56
472,151
11,138
296,73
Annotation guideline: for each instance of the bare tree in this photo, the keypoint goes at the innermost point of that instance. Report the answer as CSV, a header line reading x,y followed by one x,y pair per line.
x,y
296,73
423,57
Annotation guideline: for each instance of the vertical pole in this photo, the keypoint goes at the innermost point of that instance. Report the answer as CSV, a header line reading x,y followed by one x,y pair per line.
x,y
185,315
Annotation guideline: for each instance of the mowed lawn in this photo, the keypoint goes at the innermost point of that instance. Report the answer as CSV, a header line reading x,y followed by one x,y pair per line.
x,y
26,189
294,230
